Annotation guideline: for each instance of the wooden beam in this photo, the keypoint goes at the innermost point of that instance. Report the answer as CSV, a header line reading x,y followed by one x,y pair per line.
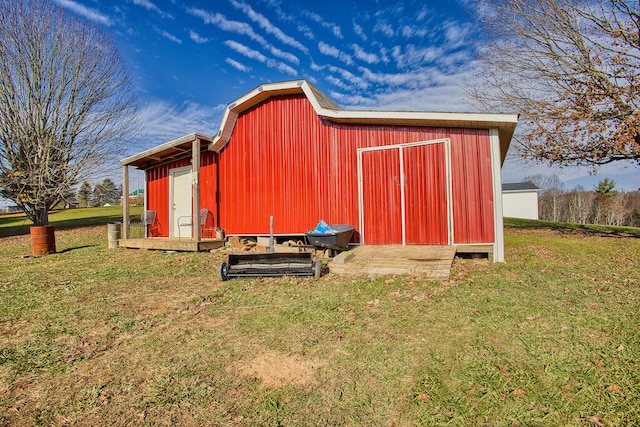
x,y
195,187
125,202
165,244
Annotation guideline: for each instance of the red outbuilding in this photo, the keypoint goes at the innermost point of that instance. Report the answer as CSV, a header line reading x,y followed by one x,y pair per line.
x,y
287,151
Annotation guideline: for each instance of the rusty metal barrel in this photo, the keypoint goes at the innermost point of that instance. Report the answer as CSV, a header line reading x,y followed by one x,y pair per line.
x,y
113,235
43,240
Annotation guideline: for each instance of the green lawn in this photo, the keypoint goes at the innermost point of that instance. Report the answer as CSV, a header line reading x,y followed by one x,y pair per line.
x,y
17,224
92,336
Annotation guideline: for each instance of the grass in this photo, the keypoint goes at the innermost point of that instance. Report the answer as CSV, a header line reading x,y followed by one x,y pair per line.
x,y
92,336
563,227
18,224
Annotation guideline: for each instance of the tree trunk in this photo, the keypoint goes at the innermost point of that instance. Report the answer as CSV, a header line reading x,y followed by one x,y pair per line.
x,y
41,216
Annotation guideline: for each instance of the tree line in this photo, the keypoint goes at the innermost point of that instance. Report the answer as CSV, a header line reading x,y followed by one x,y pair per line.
x,y
101,194
602,205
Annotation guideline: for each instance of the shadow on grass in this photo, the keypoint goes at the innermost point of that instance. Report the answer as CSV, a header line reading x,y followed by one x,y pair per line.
x,y
562,227
23,230
19,224
64,251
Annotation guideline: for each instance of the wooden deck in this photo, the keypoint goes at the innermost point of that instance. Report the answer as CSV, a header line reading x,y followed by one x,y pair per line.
x,y
166,244
427,261
432,262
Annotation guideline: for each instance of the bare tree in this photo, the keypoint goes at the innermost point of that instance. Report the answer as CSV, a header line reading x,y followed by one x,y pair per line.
x,y
551,201
66,103
572,69
544,182
618,213
580,205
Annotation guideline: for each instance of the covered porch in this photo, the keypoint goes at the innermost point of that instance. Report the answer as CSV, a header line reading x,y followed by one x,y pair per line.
x,y
187,232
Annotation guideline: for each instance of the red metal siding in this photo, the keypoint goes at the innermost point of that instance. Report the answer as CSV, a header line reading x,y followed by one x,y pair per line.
x,y
382,217
158,191
284,161
426,205
472,184
209,187
419,181
268,171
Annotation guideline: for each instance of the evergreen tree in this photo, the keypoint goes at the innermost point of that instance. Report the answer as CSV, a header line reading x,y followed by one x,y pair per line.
x,y
606,187
106,192
85,195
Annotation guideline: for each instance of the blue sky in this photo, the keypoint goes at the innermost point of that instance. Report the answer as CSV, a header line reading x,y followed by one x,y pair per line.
x,y
189,59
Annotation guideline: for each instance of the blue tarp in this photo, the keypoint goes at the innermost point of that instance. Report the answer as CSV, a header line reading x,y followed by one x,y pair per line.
x,y
322,228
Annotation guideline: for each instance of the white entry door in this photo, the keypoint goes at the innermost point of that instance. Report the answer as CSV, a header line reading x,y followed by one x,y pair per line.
x,y
180,202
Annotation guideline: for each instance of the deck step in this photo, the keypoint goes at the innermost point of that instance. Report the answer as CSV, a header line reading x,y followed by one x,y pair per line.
x,y
166,244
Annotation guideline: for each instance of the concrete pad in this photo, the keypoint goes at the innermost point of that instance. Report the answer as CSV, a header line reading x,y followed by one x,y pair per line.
x,y
343,257
433,262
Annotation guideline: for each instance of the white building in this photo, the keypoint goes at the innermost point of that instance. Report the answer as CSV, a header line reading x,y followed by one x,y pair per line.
x,y
520,200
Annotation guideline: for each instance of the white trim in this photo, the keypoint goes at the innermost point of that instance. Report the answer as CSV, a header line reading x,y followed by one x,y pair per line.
x,y
450,228
146,203
403,209
167,145
498,227
419,115
172,173
503,121
401,147
406,145
360,197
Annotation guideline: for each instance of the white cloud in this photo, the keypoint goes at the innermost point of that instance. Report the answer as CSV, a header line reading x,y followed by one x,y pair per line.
x,y
266,25
152,7
411,56
456,34
284,68
243,28
359,31
384,28
308,33
225,24
408,31
335,29
258,56
284,55
422,14
197,37
237,65
161,121
348,76
333,51
369,58
246,51
338,83
169,36
86,12
446,98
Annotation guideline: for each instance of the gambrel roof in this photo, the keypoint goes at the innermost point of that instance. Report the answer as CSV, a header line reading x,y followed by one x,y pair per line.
x,y
326,108
329,110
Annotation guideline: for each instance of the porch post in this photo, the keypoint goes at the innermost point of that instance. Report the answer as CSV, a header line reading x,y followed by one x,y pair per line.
x,y
195,187
125,202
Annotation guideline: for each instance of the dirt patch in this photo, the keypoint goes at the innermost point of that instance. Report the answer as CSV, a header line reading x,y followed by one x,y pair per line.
x,y
276,370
